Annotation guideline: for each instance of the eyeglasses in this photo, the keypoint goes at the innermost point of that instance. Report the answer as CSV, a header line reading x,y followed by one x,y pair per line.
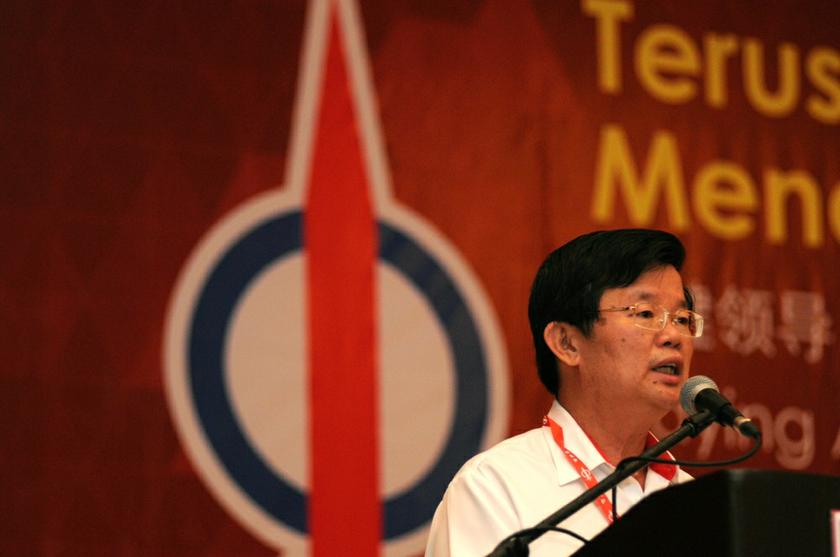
x,y
654,318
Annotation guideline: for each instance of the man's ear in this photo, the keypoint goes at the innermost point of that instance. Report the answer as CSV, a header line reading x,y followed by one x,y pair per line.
x,y
561,339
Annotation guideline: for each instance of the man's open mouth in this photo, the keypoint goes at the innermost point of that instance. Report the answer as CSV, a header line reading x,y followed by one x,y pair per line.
x,y
668,369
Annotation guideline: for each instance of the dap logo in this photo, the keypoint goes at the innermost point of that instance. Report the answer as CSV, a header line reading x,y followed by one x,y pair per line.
x,y
330,361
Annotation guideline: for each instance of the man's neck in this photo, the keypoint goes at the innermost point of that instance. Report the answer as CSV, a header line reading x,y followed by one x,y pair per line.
x,y
617,435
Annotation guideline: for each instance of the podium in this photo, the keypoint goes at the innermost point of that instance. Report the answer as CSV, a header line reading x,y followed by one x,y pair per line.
x,y
735,513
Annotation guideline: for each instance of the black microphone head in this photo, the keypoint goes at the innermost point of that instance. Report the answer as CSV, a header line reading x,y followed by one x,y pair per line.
x,y
690,390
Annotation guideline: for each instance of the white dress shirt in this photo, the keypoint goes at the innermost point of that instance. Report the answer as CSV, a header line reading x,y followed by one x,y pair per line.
x,y
521,481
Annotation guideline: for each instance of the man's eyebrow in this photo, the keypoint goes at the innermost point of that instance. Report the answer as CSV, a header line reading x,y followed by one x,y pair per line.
x,y
647,296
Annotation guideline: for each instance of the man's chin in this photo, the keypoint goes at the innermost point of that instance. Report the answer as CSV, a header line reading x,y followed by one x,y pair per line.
x,y
667,400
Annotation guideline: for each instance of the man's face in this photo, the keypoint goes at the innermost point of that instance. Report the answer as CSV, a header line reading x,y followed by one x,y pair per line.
x,y
624,364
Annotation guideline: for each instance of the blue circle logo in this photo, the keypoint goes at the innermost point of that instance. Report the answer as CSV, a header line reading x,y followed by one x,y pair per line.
x,y
247,253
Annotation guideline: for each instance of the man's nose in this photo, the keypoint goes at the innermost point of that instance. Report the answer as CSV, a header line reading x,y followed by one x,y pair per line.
x,y
670,335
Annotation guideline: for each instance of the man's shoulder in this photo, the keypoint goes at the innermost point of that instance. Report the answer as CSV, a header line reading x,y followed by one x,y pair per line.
x,y
514,455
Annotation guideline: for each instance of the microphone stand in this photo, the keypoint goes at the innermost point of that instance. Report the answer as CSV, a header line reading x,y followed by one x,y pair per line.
x,y
517,545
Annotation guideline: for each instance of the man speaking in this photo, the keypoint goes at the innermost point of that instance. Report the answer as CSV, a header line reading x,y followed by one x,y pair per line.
x,y
613,329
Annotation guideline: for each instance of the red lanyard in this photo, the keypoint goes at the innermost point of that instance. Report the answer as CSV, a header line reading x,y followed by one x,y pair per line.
x,y
582,469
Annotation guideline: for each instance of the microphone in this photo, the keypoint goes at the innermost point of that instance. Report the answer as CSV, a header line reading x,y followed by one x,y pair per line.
x,y
701,393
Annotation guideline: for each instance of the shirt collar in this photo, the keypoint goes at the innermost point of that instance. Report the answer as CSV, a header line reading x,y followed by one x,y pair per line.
x,y
576,441
667,471
579,443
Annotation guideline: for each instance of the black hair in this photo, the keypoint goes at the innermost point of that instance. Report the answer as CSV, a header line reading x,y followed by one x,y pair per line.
x,y
570,282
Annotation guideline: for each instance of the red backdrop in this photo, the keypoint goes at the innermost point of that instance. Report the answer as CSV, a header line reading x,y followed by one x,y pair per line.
x,y
128,132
